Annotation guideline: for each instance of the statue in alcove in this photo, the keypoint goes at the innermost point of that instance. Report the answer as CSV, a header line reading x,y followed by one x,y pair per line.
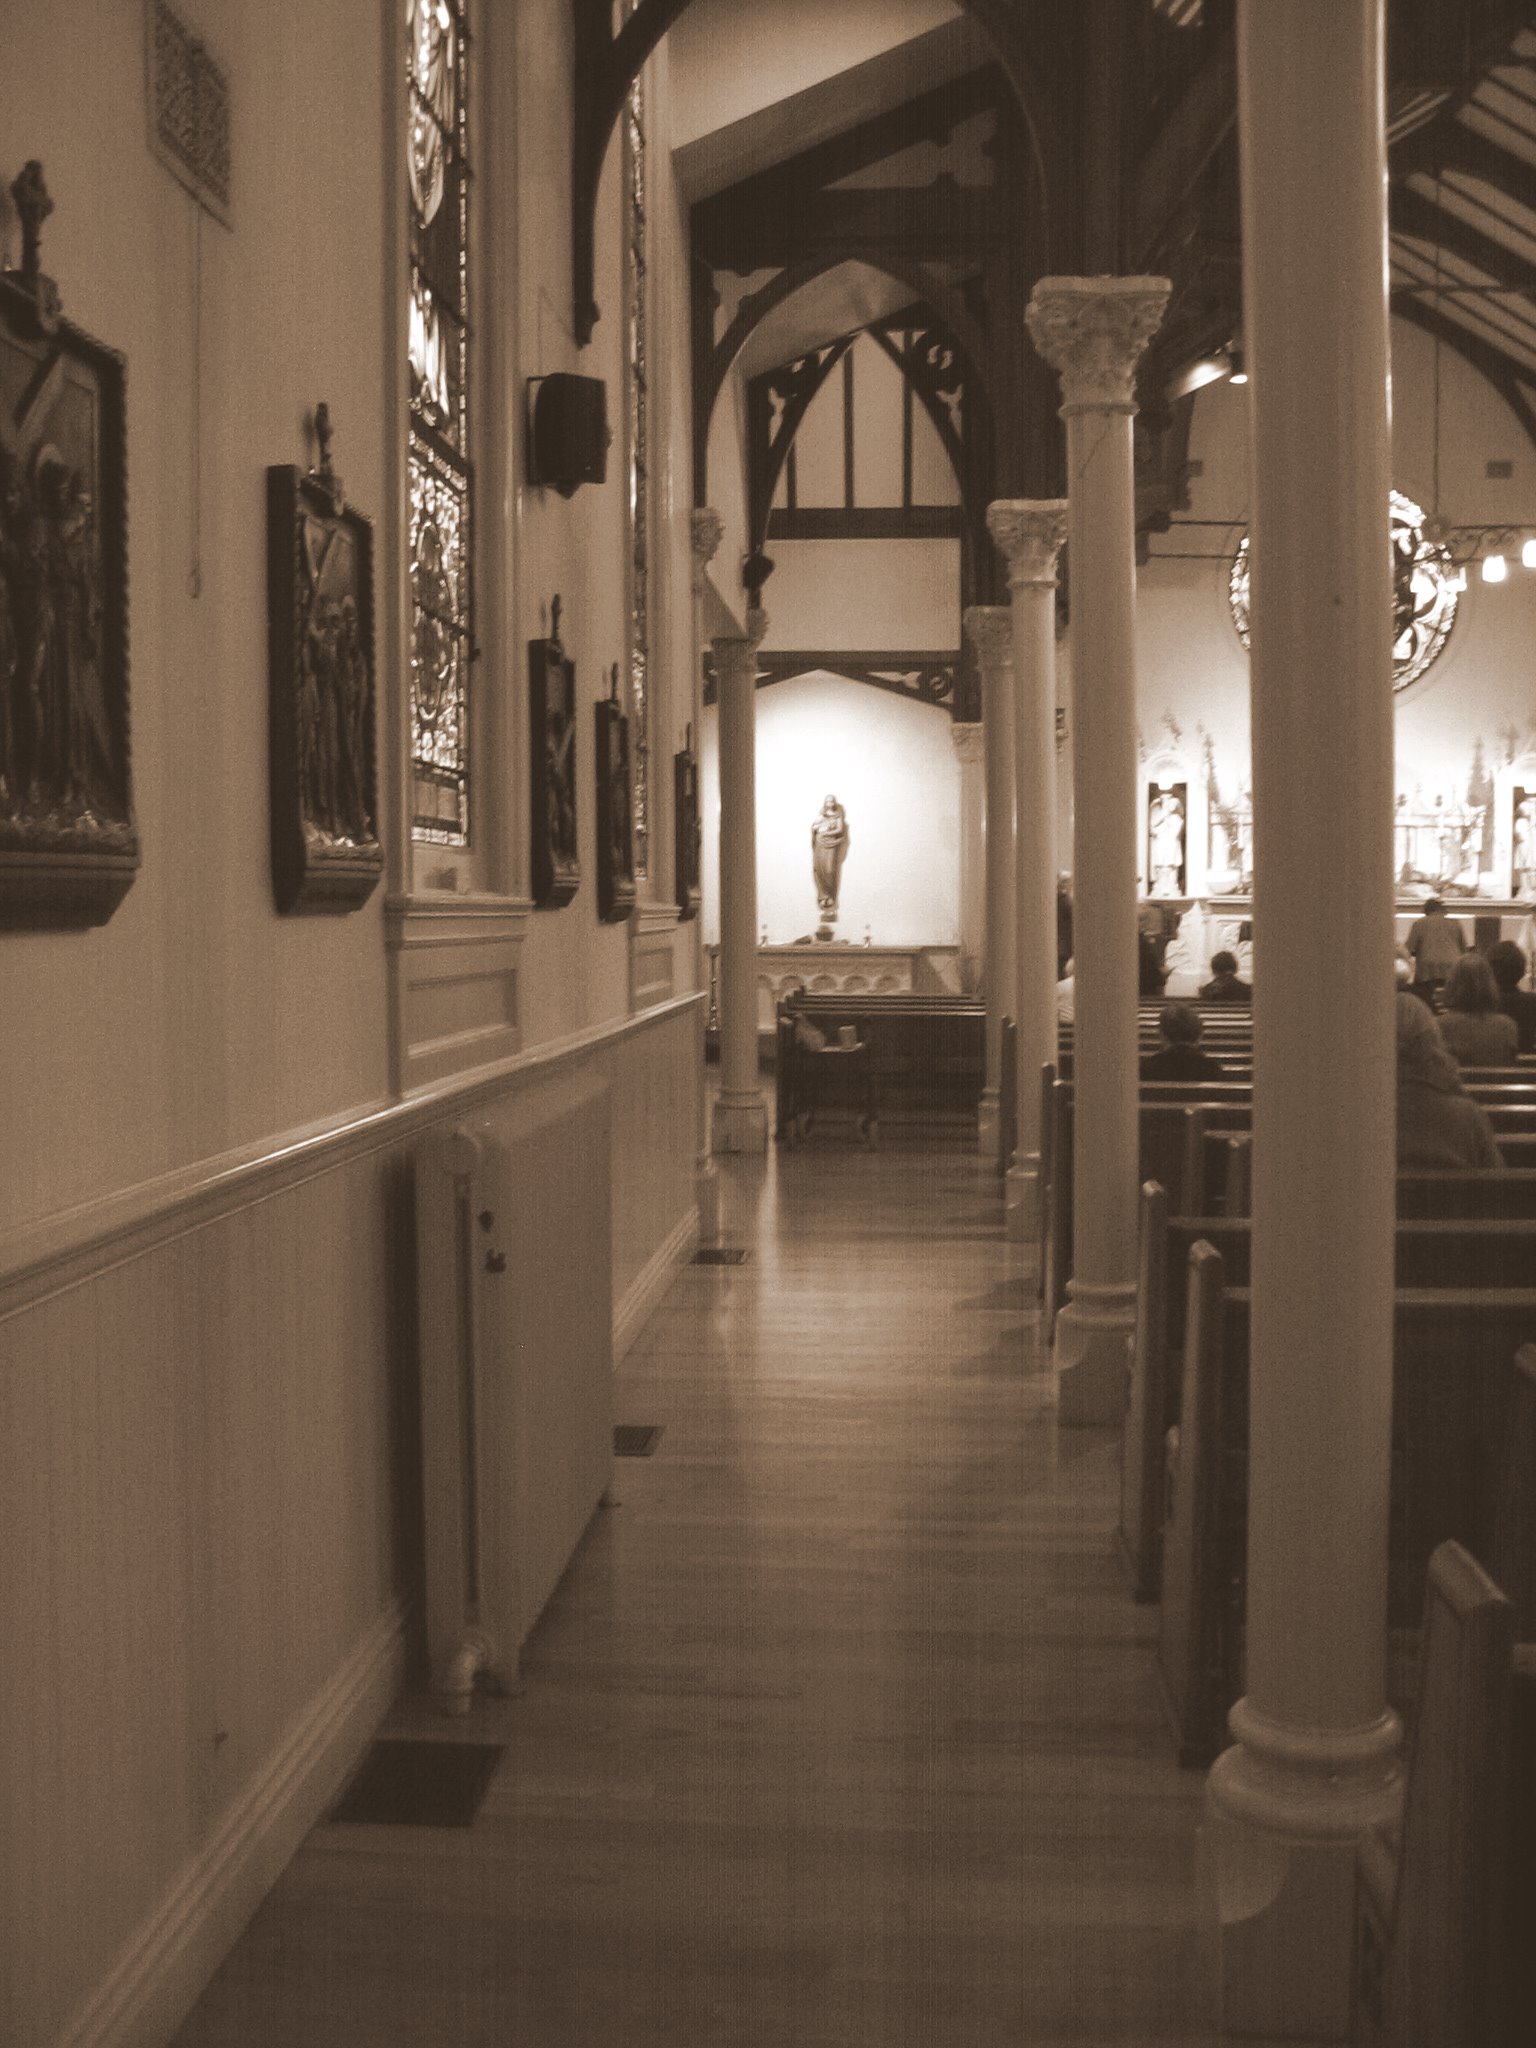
x,y
829,849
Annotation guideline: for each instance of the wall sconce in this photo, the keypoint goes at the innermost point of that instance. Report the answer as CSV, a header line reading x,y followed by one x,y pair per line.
x,y
1238,374
1528,555
1495,568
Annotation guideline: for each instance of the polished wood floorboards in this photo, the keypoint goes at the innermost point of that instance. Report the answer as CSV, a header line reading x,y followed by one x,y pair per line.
x,y
840,1730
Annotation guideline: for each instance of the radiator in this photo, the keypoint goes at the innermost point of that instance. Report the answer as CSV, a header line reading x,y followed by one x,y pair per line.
x,y
515,1326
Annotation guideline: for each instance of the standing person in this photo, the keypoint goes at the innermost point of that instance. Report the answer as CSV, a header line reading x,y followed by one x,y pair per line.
x,y
1476,1031
1508,964
1435,943
1224,985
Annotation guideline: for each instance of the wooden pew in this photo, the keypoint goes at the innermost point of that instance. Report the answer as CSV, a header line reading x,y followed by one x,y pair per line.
x,y
1007,1095
1441,1957
1451,1381
1512,1540
926,1053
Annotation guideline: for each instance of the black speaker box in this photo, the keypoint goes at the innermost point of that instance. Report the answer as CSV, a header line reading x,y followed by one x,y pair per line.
x,y
567,431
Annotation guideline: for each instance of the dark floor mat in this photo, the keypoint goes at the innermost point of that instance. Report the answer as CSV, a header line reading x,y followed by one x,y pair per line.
x,y
635,1439
419,1784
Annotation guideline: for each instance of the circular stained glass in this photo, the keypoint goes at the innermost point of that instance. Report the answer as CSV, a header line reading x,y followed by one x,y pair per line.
x,y
1424,597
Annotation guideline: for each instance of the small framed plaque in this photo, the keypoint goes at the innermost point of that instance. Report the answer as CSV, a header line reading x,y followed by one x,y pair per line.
x,y
615,810
688,831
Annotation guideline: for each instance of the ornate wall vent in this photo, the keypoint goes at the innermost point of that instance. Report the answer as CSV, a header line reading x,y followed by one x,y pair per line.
x,y
189,110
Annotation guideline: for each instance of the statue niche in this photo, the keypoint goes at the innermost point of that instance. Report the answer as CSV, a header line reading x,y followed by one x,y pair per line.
x,y
829,849
1167,817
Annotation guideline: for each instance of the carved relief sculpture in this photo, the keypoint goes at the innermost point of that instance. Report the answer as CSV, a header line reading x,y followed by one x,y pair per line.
x,y
829,849
615,809
69,848
556,867
688,831
326,854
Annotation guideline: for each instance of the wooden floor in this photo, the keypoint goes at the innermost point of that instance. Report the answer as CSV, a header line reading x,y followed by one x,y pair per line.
x,y
840,1730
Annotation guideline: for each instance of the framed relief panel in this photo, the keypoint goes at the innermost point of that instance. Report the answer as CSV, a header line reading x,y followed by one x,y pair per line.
x,y
615,810
69,847
326,854
556,866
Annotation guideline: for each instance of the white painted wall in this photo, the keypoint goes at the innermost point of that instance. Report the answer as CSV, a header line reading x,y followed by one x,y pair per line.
x,y
900,594
891,765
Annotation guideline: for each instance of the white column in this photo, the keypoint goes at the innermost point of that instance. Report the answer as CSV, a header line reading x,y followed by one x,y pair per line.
x,y
1029,533
741,1115
1314,1761
705,529
990,630
967,741
1093,330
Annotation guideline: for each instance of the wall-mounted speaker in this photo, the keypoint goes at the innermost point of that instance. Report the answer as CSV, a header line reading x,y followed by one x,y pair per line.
x,y
568,433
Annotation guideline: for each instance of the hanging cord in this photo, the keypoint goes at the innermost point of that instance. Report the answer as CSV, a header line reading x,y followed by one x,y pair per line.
x,y
1435,414
195,570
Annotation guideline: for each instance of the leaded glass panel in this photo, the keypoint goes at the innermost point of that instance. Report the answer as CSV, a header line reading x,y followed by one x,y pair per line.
x,y
438,470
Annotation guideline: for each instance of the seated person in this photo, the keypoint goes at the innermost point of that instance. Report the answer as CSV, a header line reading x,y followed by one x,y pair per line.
x,y
1066,997
1438,1123
1475,1030
1508,964
1180,1059
1224,986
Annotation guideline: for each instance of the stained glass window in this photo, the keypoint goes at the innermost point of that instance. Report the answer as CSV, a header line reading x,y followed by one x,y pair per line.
x,y
638,452
438,469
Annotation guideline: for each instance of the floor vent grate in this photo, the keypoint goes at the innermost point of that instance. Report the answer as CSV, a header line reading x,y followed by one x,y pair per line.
x,y
419,1784
720,1255
636,1439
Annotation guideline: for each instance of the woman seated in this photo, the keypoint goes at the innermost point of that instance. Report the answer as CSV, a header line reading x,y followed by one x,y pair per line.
x,y
1508,964
1179,1057
1475,1030
1224,985
1438,1123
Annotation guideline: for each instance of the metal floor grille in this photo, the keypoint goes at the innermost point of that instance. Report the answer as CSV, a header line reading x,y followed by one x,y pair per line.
x,y
719,1255
419,1784
635,1439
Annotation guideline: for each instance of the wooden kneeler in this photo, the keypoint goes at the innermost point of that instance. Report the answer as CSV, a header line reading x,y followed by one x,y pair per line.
x,y
1143,1448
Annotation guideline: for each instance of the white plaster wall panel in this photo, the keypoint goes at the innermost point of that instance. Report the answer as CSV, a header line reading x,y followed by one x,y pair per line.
x,y
890,762
863,594
197,1019
819,447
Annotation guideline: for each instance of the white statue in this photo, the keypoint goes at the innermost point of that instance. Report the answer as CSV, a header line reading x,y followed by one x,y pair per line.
x,y
1165,833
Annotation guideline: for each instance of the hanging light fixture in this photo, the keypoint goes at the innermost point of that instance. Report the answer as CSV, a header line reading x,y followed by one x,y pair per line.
x,y
1238,374
1495,568
1528,553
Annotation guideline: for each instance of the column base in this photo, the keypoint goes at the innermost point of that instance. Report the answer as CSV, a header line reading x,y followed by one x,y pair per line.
x,y
1285,1809
706,1198
1092,1374
740,1123
1021,1195
987,1122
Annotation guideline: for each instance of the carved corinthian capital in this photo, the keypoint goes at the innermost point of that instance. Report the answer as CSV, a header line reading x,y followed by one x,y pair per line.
x,y
736,653
1093,330
1029,533
705,530
989,628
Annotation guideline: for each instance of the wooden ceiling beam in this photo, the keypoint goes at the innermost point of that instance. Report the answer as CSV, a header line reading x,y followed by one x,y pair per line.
x,y
1414,213
1168,172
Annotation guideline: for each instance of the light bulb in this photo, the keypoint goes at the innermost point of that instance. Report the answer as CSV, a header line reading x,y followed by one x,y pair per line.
x,y
1528,554
1495,568
1458,579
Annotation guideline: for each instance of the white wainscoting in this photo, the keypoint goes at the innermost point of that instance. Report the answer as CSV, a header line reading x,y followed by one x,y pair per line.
x,y
210,1520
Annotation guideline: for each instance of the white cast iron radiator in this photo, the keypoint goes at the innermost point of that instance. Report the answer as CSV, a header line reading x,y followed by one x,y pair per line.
x,y
513,1288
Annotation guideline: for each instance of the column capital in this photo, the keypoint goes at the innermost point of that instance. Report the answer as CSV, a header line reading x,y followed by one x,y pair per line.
x,y
706,529
1092,330
969,742
989,628
1028,533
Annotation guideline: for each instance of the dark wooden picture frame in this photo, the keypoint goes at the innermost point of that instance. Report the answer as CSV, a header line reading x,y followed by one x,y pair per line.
x,y
556,867
69,844
615,810
687,832
326,854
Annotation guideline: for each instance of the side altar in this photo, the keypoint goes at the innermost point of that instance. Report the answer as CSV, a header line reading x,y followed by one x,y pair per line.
x,y
839,967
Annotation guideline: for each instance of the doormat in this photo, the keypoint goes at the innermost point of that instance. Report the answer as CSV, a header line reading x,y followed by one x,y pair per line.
x,y
719,1255
419,1784
636,1439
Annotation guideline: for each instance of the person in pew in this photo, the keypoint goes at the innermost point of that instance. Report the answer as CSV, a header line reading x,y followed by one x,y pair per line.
x,y
1476,1031
1508,964
1224,985
1179,1057
1438,1123
1066,998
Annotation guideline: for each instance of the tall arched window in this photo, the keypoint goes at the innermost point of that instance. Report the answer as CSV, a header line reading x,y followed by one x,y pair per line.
x,y
439,474
637,454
